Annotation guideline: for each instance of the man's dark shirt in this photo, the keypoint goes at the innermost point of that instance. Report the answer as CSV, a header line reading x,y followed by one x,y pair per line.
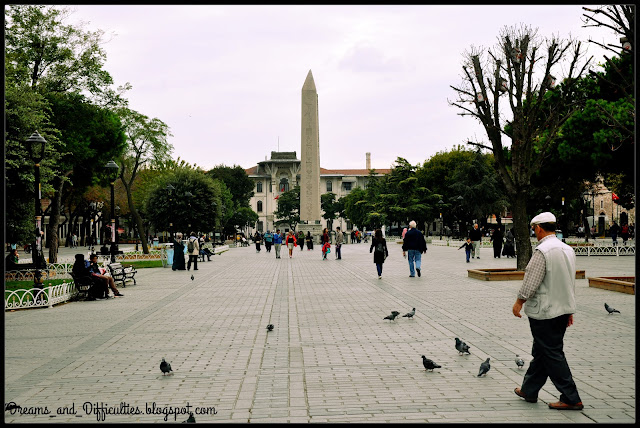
x,y
475,234
414,240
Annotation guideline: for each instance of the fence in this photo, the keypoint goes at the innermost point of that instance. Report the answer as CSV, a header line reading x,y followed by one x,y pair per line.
x,y
39,297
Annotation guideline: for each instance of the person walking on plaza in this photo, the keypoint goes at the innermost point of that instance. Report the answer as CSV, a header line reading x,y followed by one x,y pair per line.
x,y
309,240
509,249
339,240
268,240
614,230
497,238
326,245
379,244
257,239
548,295
290,242
624,233
193,249
277,242
476,240
300,240
468,246
178,253
74,240
414,244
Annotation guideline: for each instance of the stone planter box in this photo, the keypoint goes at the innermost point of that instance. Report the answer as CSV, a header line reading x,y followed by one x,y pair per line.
x,y
506,274
622,284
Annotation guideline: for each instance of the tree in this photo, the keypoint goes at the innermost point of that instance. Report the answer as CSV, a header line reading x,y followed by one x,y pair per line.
x,y
329,206
357,206
531,124
236,180
187,213
288,211
147,145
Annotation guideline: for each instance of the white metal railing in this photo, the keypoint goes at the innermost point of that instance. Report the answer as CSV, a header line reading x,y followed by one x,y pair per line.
x,y
38,298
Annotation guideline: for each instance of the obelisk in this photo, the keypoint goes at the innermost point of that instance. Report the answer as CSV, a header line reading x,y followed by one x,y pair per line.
x,y
310,155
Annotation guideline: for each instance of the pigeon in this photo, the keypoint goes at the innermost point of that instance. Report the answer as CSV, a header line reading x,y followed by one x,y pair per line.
x,y
519,361
270,327
429,364
393,316
610,309
410,314
462,347
484,367
190,419
192,278
165,367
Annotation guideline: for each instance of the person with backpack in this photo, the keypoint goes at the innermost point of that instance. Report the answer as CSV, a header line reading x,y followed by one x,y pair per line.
x,y
379,244
193,249
414,244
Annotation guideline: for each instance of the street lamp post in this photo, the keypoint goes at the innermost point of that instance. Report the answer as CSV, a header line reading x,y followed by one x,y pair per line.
x,y
441,221
36,144
112,172
460,199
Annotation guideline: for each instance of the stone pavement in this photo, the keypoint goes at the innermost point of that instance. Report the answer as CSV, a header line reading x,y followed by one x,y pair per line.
x,y
331,356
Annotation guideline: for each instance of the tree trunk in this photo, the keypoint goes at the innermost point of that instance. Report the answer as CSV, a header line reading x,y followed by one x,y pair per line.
x,y
54,222
521,228
137,219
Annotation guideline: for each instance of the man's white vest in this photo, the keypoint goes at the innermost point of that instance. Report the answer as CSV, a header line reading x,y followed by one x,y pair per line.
x,y
556,294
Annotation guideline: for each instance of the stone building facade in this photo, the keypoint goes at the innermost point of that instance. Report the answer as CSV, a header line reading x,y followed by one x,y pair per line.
x,y
281,173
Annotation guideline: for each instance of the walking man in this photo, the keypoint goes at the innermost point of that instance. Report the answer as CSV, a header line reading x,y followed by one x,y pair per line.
x,y
415,245
548,289
277,242
193,249
476,237
339,239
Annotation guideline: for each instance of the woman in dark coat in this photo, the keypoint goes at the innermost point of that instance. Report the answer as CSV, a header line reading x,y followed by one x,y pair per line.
x,y
379,244
178,253
309,240
509,245
496,238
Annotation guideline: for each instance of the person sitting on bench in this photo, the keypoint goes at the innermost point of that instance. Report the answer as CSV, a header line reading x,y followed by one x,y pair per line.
x,y
96,272
81,270
11,261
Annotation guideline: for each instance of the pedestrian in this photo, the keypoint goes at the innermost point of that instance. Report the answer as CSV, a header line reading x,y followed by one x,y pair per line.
x,y
178,253
353,236
468,246
548,294
326,245
476,240
257,239
309,240
193,249
414,244
268,240
625,233
509,249
404,232
74,240
97,272
339,240
497,239
290,242
379,244
614,230
300,239
11,261
277,242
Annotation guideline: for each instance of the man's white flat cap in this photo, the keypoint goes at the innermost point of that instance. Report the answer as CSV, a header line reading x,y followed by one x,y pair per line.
x,y
545,217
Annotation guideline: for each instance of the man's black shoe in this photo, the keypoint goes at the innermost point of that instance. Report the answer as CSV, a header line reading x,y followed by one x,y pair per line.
x,y
418,270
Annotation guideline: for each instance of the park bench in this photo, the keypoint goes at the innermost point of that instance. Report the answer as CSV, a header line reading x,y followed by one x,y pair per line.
x,y
83,285
122,274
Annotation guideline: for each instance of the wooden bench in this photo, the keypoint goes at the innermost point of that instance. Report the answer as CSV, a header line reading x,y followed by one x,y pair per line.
x,y
122,274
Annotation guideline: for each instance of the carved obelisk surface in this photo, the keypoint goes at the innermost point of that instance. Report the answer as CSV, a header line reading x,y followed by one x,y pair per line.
x,y
310,154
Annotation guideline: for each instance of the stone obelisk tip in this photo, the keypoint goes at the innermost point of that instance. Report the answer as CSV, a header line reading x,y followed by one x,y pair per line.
x,y
309,84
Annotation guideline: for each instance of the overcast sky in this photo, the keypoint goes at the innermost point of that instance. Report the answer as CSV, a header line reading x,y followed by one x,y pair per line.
x,y
228,79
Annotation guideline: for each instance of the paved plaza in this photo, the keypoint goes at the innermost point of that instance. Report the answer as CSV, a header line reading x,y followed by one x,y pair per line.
x,y
330,358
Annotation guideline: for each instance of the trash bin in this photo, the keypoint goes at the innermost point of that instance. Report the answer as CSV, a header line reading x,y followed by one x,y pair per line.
x,y
156,242
559,234
169,256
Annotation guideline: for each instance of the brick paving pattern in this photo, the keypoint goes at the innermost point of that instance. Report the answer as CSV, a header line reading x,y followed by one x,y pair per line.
x,y
331,356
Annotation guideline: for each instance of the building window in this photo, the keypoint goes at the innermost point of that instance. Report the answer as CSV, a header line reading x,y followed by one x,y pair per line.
x,y
260,226
270,187
329,186
347,186
284,185
259,206
349,225
259,187
601,204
